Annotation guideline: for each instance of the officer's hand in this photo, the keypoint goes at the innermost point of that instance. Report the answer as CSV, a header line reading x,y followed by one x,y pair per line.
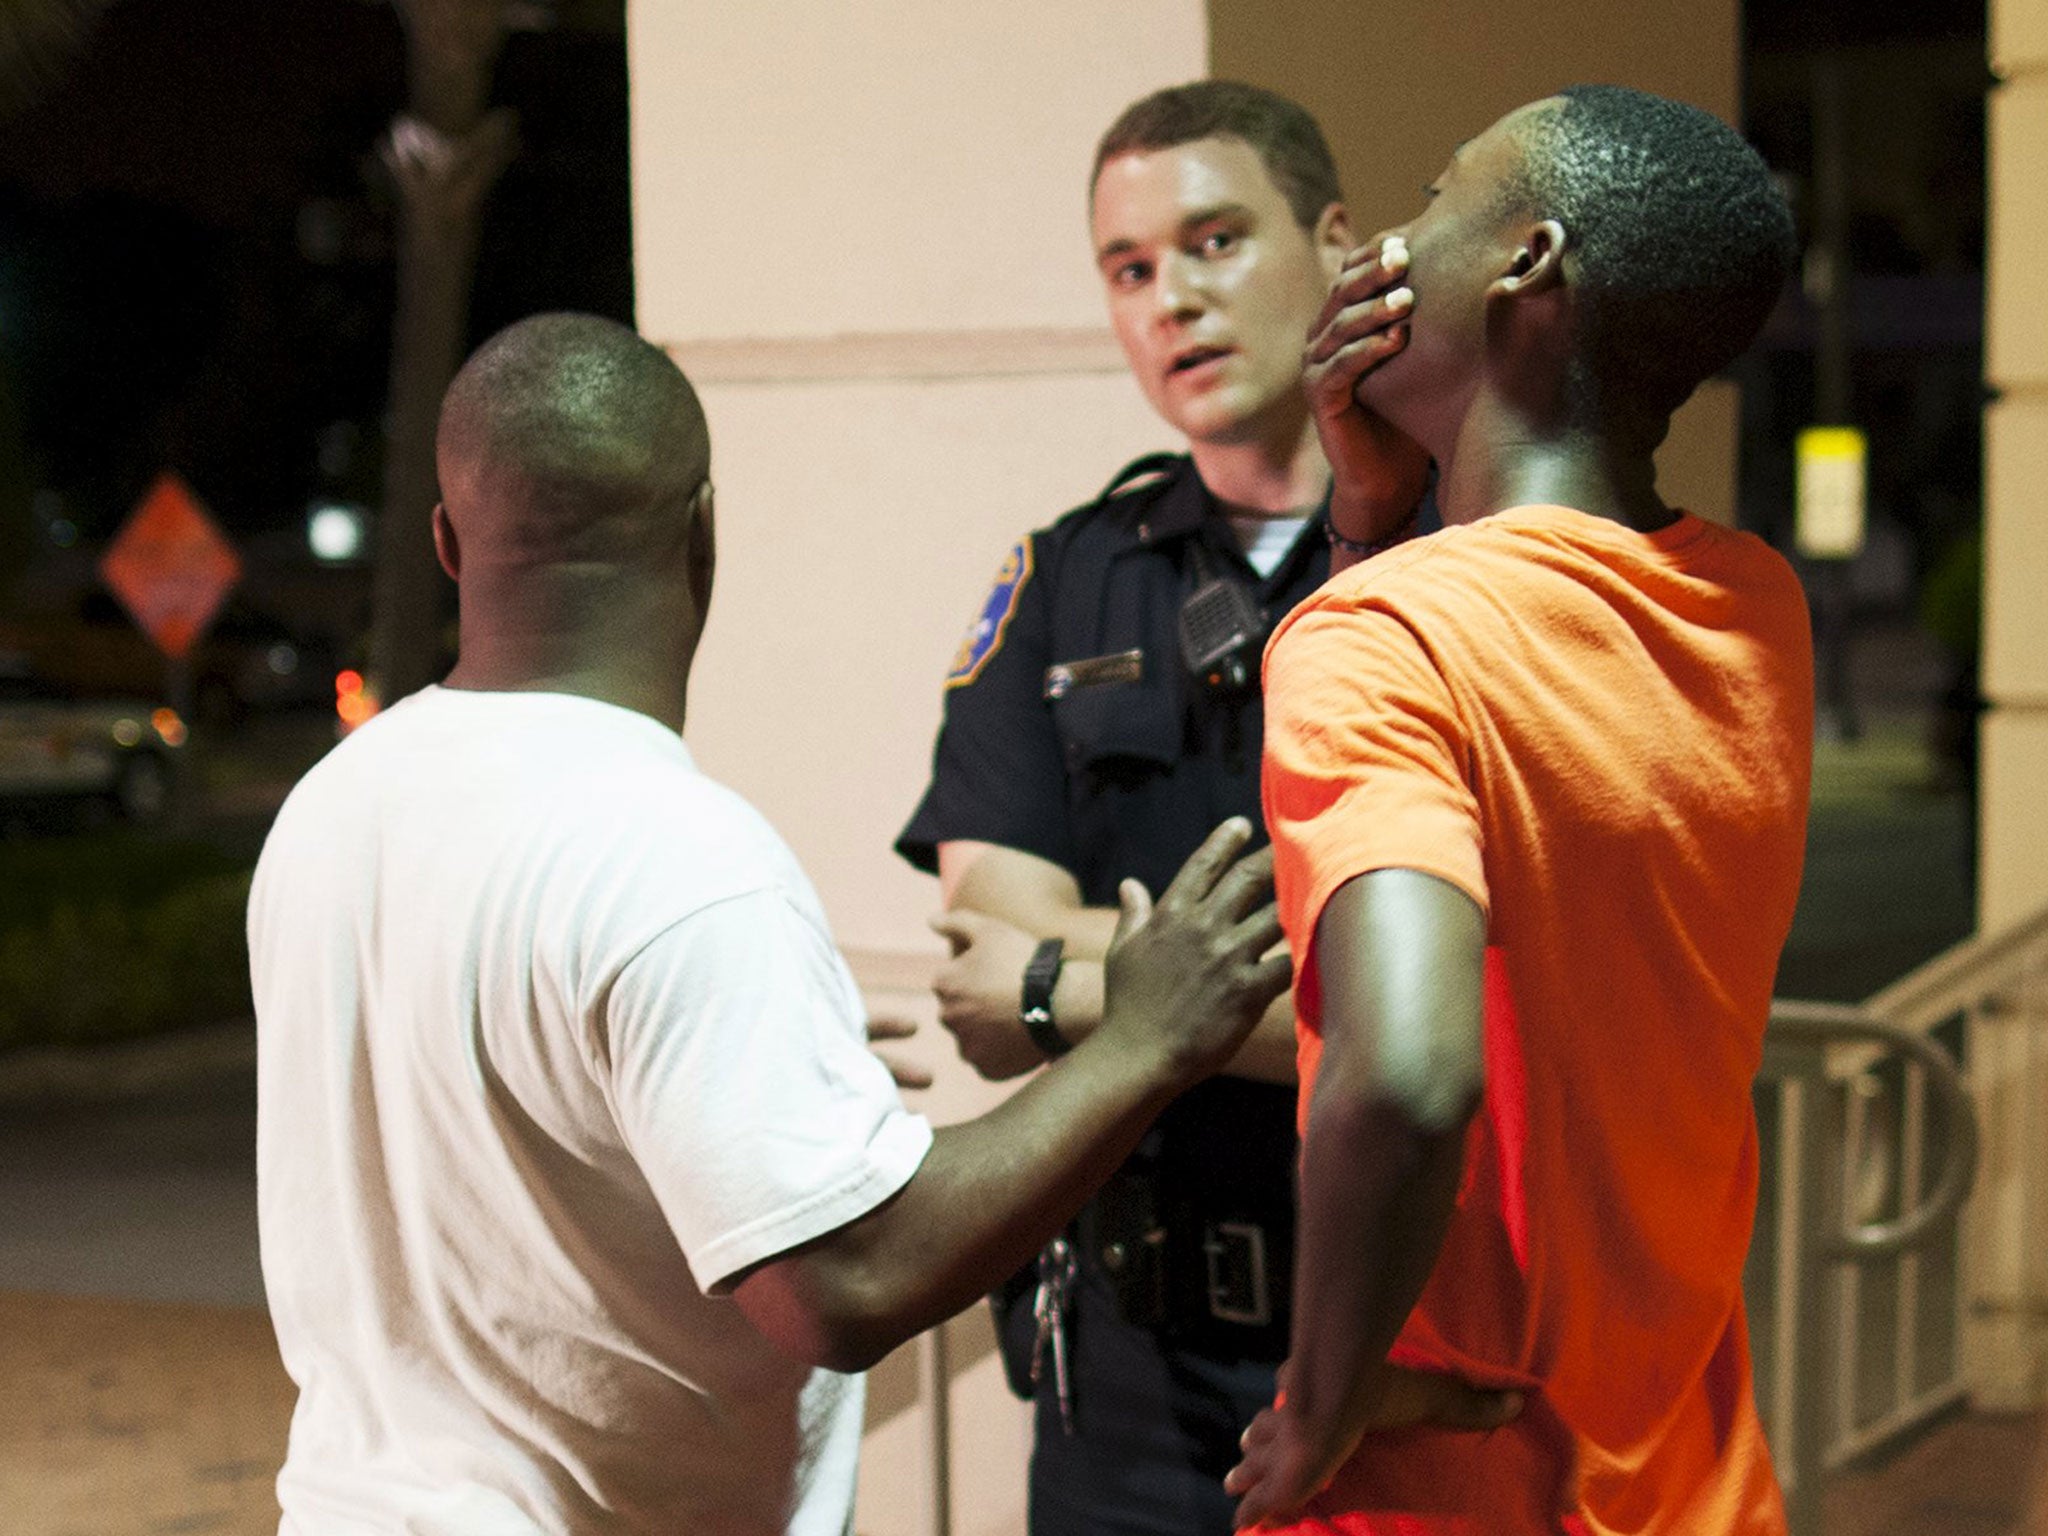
x,y
905,1074
1188,978
1378,472
980,990
1288,1460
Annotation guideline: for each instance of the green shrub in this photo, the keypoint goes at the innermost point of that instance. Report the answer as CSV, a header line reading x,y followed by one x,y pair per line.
x,y
107,943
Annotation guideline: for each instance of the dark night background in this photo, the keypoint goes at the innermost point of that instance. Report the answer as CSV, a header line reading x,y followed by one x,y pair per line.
x,y
196,263
196,243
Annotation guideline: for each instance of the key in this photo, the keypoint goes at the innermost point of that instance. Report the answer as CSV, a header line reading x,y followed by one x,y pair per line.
x,y
1056,1271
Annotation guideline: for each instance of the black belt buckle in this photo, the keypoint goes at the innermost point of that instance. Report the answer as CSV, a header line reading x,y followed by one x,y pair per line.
x,y
1239,1291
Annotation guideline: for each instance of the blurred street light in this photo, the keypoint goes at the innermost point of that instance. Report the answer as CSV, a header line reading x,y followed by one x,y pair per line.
x,y
335,531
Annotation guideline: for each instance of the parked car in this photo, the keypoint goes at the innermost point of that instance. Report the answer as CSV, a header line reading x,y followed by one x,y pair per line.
x,y
245,661
55,745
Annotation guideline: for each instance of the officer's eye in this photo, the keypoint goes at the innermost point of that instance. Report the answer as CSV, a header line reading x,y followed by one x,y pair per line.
x,y
1130,274
1215,242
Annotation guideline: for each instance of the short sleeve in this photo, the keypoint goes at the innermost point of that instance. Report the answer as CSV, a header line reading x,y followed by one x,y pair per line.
x,y
745,1089
998,775
1367,761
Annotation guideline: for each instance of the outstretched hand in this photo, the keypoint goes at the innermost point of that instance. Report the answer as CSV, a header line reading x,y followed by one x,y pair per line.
x,y
1378,473
906,1074
1189,976
979,989
1288,1461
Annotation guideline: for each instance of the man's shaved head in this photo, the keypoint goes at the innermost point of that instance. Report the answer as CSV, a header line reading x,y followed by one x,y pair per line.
x,y
1681,236
568,438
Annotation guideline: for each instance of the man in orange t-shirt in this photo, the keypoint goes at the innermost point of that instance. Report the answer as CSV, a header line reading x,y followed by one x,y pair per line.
x,y
1537,789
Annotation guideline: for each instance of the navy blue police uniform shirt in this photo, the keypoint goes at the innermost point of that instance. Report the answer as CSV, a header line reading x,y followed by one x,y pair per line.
x,y
1074,732
1121,766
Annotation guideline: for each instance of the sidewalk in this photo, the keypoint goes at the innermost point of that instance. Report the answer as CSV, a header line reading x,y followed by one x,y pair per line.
x,y
153,1419
138,1419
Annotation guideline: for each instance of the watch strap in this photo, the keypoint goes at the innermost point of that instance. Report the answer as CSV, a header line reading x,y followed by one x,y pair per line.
x,y
1035,1009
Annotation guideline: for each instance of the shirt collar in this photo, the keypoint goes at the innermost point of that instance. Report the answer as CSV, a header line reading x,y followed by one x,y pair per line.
x,y
1184,507
1187,505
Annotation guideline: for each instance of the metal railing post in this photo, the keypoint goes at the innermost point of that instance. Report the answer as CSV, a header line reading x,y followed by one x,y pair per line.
x,y
1817,1234
1801,1353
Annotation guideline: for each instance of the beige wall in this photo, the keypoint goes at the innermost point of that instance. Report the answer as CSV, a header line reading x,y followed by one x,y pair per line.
x,y
2015,809
1395,90
861,229
811,167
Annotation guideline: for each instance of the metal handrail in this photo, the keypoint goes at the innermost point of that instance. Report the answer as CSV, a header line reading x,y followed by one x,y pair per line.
x,y
1956,979
1825,1024
1829,1045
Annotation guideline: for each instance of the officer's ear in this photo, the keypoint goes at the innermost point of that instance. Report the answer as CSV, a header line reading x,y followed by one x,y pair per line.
x,y
1333,239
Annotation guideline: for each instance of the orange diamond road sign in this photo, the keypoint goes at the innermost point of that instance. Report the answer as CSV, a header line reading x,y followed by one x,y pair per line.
x,y
171,566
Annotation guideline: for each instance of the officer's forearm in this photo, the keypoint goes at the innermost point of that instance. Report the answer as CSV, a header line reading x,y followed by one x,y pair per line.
x,y
1087,930
1026,892
1267,1056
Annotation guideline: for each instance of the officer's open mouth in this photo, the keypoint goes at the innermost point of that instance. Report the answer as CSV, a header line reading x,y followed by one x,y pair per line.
x,y
1194,357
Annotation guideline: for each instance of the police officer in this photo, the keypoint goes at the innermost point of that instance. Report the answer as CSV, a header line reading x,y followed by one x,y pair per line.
x,y
1101,717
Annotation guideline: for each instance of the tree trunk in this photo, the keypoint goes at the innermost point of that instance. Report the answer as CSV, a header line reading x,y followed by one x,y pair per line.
x,y
445,154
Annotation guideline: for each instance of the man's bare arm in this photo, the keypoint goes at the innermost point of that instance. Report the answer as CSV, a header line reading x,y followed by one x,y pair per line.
x,y
1000,902
1399,958
1186,983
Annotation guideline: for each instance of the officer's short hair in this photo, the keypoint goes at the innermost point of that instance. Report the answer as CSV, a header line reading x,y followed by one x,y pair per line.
x,y
1681,237
1280,132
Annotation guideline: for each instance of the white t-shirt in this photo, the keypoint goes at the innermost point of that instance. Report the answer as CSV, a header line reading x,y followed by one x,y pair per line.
x,y
553,1040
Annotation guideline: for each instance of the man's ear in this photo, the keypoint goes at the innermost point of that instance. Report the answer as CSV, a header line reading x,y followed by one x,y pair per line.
x,y
446,546
1333,238
1536,265
701,551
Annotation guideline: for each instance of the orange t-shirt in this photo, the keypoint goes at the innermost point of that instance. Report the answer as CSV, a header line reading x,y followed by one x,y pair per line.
x,y
1604,738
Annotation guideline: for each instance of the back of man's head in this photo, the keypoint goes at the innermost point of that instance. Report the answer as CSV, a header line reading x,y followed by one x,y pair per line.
x,y
567,438
1280,132
1681,239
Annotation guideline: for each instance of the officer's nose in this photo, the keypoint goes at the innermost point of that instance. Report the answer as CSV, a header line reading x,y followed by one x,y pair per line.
x,y
1177,289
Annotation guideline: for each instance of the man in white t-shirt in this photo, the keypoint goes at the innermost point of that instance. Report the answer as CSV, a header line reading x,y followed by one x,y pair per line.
x,y
578,1184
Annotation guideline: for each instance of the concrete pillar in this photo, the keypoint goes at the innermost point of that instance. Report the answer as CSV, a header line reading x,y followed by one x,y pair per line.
x,y
861,228
2006,1319
2015,812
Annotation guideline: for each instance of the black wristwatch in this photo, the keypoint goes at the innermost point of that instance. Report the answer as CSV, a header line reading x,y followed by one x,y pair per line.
x,y
1035,1012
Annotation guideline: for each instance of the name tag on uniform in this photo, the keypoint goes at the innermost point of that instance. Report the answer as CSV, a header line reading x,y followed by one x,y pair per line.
x,y
1062,678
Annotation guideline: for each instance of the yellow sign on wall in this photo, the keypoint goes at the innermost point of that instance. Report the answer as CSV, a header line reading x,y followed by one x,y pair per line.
x,y
1830,516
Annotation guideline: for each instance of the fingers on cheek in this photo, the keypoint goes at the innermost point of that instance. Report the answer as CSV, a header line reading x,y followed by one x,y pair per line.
x,y
1392,339
1364,351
